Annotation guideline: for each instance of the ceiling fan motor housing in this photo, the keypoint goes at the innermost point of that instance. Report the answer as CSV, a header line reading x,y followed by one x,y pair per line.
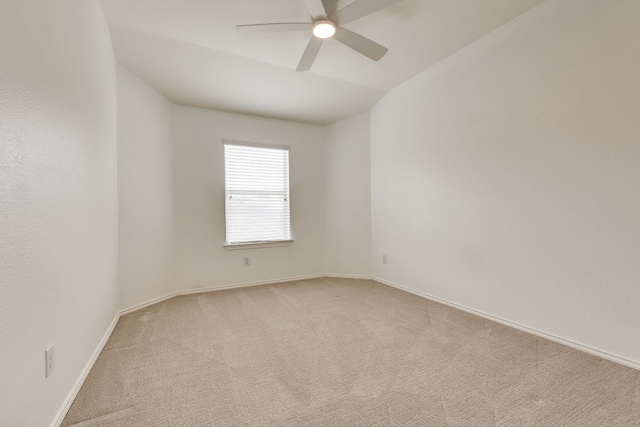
x,y
324,28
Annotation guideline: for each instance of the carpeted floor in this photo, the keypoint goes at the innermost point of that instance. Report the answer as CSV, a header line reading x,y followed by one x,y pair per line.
x,y
341,352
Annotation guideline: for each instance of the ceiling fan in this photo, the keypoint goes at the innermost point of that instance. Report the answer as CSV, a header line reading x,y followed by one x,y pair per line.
x,y
327,23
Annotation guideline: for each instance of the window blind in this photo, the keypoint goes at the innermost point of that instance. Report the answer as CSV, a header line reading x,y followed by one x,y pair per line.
x,y
256,193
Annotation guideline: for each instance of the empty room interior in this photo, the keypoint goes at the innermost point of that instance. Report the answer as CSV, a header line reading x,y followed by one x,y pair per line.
x,y
319,213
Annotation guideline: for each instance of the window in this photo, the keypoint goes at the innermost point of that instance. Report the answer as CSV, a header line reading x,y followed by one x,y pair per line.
x,y
256,180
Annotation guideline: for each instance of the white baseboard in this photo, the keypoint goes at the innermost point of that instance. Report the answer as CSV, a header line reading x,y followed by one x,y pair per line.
x,y
211,289
564,341
83,375
349,276
248,284
146,304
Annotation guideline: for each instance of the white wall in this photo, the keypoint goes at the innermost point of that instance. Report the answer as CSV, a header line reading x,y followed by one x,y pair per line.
x,y
58,200
201,260
145,191
506,177
347,200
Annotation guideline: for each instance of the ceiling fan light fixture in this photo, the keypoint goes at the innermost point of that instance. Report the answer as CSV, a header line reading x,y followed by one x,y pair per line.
x,y
323,29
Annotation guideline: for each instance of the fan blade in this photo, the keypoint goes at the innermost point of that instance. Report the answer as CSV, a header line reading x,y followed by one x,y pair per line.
x,y
279,26
316,8
359,9
361,44
330,6
309,54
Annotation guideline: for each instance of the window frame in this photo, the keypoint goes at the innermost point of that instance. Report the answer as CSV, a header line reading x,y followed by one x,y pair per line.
x,y
265,243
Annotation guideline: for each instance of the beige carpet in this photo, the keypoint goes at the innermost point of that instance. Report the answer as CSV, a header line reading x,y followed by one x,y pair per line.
x,y
341,352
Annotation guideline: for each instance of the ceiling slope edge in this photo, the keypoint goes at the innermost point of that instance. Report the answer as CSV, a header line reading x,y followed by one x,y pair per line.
x,y
193,75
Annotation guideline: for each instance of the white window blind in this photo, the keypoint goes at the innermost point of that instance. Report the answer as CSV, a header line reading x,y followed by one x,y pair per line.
x,y
256,192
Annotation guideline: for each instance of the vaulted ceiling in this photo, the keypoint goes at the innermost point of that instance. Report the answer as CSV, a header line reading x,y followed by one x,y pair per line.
x,y
190,51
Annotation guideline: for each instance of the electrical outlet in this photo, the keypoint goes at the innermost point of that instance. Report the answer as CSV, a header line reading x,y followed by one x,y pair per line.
x,y
247,262
384,258
49,361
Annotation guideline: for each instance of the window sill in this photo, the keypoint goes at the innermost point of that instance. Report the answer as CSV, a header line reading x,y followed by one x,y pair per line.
x,y
256,245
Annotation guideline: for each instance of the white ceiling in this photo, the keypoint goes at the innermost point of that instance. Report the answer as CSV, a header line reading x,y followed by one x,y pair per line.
x,y
190,52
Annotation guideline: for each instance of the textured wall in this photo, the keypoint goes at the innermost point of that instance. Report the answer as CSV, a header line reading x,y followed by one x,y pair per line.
x,y
145,191
506,177
199,199
347,197
58,200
